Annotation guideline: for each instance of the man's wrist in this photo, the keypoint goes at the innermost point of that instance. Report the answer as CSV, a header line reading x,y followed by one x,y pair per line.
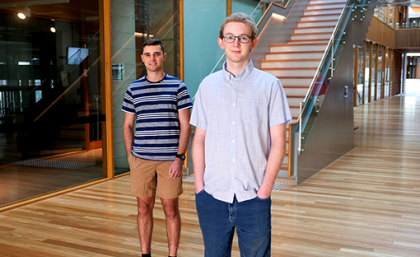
x,y
181,156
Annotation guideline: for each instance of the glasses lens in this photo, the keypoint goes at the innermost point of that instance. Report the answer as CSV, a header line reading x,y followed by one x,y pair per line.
x,y
229,39
243,39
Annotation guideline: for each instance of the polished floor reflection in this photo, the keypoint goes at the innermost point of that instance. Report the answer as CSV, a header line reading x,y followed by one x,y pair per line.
x,y
367,203
33,177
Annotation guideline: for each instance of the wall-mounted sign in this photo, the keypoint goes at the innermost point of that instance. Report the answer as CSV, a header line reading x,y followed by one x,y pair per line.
x,y
118,72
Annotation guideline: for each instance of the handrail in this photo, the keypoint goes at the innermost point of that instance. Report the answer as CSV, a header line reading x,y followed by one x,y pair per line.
x,y
323,60
407,26
289,156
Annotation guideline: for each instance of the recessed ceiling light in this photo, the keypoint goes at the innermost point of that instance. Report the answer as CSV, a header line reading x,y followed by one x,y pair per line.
x,y
21,16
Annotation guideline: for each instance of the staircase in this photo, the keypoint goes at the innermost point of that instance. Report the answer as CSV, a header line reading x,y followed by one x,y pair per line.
x,y
296,62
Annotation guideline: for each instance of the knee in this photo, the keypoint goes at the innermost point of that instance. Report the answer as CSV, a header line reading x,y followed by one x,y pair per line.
x,y
171,214
144,211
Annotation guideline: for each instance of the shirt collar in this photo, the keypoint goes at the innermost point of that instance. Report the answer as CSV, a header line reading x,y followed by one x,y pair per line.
x,y
241,75
165,74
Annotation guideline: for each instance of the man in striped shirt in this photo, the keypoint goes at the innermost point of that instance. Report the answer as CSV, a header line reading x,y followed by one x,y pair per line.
x,y
157,107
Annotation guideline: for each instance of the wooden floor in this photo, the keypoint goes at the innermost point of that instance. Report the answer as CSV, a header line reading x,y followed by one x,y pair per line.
x,y
367,203
31,178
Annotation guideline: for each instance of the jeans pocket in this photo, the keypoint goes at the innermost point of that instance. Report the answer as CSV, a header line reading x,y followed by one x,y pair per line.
x,y
263,199
201,192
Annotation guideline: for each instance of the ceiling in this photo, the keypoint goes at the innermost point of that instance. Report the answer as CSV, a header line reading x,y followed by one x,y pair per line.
x,y
399,2
75,10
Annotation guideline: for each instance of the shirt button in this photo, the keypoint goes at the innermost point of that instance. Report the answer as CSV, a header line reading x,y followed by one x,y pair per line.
x,y
233,141
234,177
233,122
233,160
233,104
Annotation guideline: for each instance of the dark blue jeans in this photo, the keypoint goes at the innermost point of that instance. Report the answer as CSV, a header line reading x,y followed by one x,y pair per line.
x,y
218,220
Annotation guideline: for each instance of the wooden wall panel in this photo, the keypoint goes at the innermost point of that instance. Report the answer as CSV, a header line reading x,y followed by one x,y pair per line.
x,y
380,33
407,38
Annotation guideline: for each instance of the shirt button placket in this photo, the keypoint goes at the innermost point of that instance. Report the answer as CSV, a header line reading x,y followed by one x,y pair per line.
x,y
233,114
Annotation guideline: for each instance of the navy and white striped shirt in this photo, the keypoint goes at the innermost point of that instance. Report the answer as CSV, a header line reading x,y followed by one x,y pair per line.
x,y
156,105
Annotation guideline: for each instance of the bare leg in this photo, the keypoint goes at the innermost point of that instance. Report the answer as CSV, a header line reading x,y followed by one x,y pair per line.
x,y
145,222
173,223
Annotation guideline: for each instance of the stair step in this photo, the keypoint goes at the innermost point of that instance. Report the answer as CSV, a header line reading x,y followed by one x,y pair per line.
x,y
327,3
294,55
295,112
323,11
322,1
296,96
292,60
295,90
311,33
314,23
295,86
307,72
295,101
326,6
316,17
319,21
284,167
306,41
298,47
297,68
296,81
315,35
290,63
294,77
314,29
308,44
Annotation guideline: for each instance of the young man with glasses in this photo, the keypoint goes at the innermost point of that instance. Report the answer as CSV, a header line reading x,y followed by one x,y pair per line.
x,y
157,106
240,114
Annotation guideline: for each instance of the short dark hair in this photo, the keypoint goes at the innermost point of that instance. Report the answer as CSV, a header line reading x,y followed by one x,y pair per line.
x,y
153,42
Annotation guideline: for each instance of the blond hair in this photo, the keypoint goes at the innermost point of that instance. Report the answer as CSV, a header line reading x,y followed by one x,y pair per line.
x,y
239,17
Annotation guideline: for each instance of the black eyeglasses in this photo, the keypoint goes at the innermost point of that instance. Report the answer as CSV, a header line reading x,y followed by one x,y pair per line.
x,y
242,39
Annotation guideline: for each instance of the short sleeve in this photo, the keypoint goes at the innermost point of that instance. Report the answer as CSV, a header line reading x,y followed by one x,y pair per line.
x,y
183,97
198,116
128,105
279,111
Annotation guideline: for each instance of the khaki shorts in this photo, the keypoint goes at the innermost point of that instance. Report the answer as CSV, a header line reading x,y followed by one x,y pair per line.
x,y
146,176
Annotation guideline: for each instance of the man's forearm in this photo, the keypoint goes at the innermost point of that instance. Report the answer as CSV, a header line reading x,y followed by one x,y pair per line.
x,y
274,162
128,140
184,138
275,159
198,155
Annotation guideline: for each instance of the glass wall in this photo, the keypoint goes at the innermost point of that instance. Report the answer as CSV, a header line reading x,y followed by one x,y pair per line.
x,y
133,22
50,97
202,20
387,61
360,75
202,23
367,71
381,66
379,71
373,77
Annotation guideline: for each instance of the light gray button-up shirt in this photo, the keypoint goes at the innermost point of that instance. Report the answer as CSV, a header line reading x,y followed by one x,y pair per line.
x,y
237,113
